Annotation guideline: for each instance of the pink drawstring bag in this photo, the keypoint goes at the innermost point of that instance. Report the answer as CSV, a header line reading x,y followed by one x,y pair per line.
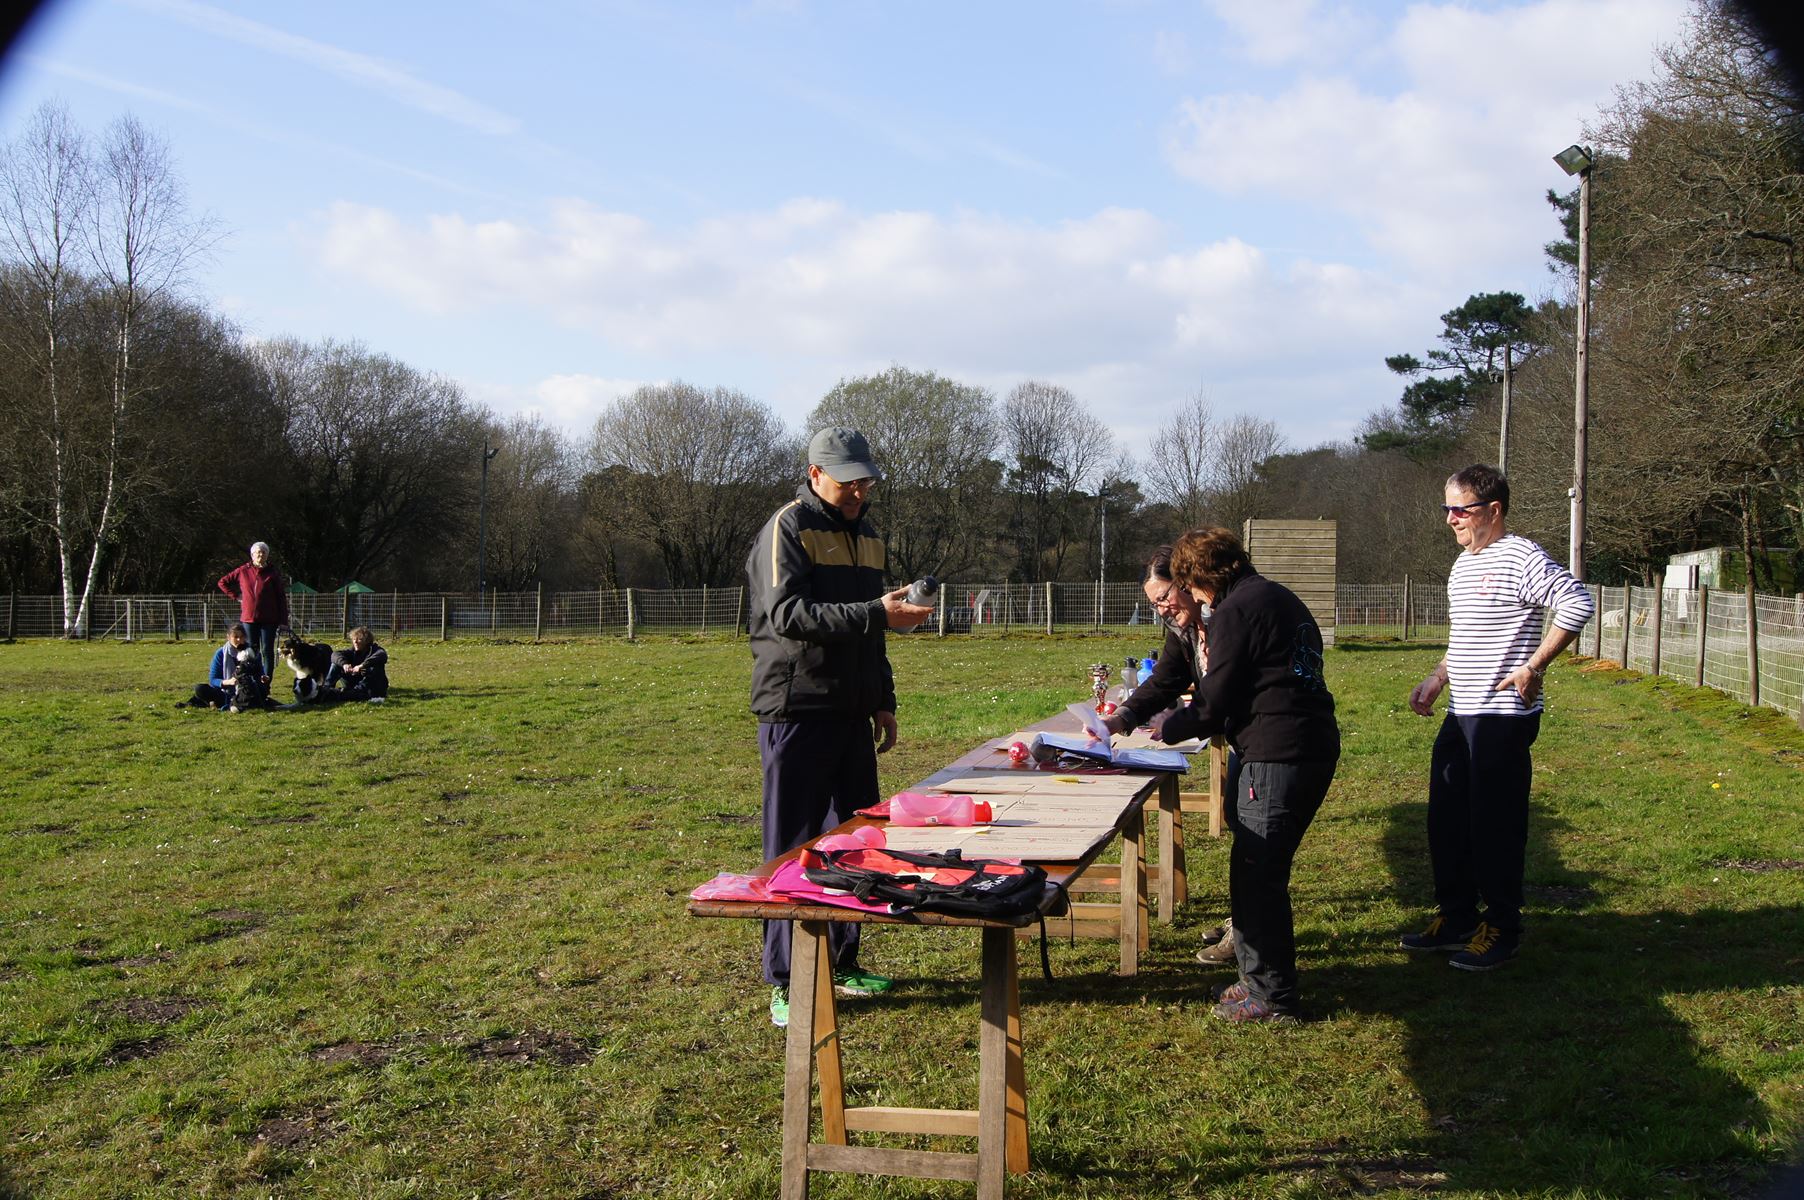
x,y
927,808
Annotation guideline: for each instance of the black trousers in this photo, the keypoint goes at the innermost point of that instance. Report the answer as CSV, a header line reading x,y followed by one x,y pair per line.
x,y
1269,807
1478,817
816,775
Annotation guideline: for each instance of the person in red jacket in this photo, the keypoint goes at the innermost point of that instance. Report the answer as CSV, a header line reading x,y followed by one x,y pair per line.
x,y
262,596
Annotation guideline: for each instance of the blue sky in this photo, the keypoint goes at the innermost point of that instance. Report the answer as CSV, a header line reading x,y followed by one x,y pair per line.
x,y
553,203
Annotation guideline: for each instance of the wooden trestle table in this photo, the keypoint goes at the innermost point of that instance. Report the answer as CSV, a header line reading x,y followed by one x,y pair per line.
x,y
999,1123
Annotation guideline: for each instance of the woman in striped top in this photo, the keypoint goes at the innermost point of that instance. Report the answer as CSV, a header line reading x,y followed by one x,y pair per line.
x,y
1479,775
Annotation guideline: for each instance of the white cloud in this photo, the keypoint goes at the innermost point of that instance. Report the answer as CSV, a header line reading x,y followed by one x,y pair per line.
x,y
1279,32
1111,304
570,402
1171,52
1444,171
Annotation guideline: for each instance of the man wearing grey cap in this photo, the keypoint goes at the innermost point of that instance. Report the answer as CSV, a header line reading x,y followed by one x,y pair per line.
x,y
821,683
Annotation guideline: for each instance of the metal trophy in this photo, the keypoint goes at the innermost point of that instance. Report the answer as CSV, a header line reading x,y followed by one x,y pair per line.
x,y
1099,683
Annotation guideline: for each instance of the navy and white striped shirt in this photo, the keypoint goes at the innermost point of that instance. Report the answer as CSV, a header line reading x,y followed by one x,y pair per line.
x,y
1495,598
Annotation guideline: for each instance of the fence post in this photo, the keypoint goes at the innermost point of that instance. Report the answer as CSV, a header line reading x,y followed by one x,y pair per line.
x,y
175,633
1628,623
1099,604
1753,643
344,616
1703,626
629,614
494,612
1659,617
12,617
1049,608
444,618
128,620
942,612
739,611
394,612
206,621
538,612
704,608
1408,612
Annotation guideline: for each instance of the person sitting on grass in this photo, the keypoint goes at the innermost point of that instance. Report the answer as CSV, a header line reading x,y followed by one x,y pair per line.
x,y
221,688
362,671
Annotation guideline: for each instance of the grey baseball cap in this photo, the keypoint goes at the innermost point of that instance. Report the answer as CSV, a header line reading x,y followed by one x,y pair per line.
x,y
843,454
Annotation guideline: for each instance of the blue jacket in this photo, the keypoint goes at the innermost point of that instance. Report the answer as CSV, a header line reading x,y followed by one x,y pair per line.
x,y
225,664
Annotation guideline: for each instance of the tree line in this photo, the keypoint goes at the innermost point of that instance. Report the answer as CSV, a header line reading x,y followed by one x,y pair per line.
x,y
144,442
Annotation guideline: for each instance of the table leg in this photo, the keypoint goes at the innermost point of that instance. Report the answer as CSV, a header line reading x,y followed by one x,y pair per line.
x,y
1174,884
808,959
1218,783
1133,890
995,1081
1017,1068
827,1065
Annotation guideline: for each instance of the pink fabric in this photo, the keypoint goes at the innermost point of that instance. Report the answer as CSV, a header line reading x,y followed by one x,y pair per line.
x,y
790,883
728,886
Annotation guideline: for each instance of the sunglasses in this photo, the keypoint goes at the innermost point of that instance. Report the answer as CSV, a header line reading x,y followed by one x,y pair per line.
x,y
1464,510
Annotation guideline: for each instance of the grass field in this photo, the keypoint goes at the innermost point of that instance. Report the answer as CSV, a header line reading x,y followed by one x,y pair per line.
x,y
438,948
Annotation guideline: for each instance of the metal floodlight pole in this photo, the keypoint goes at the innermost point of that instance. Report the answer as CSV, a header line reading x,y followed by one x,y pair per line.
x,y
1578,160
482,519
1503,432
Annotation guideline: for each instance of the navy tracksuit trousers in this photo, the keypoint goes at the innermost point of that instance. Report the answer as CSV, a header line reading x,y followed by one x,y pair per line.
x,y
816,775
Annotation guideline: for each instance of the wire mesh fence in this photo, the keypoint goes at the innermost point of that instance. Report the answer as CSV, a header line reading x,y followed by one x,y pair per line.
x,y
1751,648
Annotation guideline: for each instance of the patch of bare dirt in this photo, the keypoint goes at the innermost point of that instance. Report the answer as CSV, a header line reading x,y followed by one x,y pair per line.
x,y
535,1045
155,1010
236,922
364,1054
296,1132
1759,866
134,1050
296,819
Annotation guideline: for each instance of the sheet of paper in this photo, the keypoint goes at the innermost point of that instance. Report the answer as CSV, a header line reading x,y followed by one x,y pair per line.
x,y
1090,722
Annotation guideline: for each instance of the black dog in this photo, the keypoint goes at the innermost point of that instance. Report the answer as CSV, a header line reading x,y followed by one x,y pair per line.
x,y
248,689
309,661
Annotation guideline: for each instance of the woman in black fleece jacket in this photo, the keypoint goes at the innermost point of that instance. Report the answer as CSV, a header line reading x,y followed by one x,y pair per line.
x,y
1264,689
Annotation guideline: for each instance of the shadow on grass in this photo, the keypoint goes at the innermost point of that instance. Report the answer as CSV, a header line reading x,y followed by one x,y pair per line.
x,y
1382,647
1591,1065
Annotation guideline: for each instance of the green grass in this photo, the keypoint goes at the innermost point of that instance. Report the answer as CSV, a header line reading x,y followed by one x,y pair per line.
x,y
438,948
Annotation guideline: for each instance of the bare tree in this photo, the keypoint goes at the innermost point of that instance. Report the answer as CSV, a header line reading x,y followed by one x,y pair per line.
x,y
934,439
1055,449
383,460
1237,490
531,505
46,200
1182,465
694,474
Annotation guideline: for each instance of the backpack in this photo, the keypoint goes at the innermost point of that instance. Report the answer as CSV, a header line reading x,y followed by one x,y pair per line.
x,y
936,882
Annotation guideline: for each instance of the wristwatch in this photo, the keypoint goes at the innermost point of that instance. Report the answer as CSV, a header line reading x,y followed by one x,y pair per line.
x,y
1537,672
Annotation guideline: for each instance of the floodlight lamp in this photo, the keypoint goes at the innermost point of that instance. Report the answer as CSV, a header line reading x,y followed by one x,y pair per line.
x,y
1574,160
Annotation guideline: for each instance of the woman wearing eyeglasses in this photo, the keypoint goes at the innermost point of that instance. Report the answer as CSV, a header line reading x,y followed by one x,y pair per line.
x,y
1265,690
1183,661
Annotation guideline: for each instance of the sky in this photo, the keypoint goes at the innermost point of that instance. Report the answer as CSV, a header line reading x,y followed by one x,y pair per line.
x,y
555,203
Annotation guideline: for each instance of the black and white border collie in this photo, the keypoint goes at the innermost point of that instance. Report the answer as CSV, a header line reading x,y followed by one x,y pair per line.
x,y
309,661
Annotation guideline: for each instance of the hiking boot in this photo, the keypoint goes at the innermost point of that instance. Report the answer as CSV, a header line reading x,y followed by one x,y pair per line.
x,y
1438,937
1218,933
855,982
1247,1011
1221,953
1489,948
779,1007
1229,993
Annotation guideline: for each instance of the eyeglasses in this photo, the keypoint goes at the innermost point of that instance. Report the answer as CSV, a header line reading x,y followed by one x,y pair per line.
x,y
1464,510
1164,598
